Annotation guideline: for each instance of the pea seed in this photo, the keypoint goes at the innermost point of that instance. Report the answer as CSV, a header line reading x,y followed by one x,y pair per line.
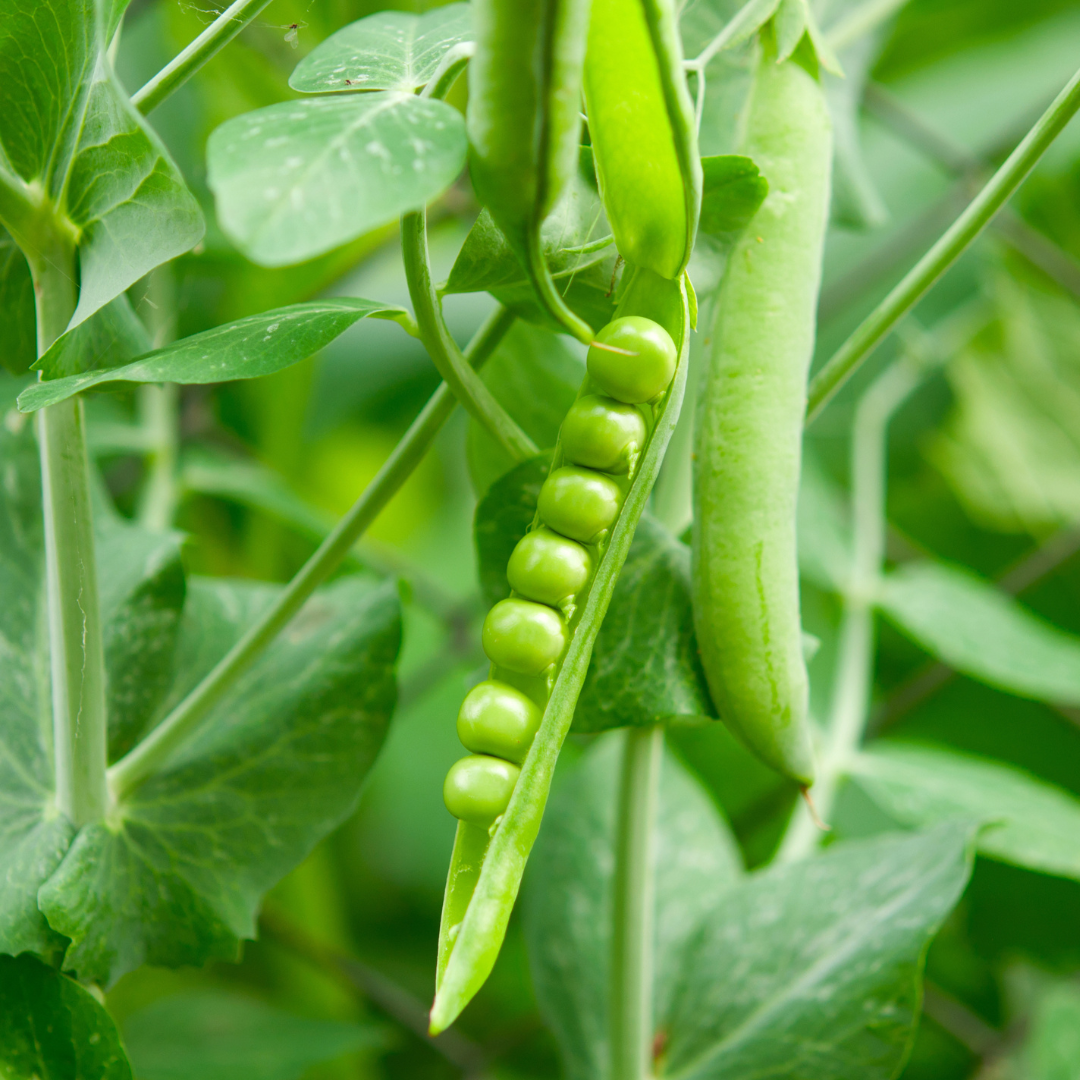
x,y
602,434
548,567
477,788
579,503
523,637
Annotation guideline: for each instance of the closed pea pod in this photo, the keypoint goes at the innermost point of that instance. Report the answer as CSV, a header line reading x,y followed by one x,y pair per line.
x,y
745,575
524,124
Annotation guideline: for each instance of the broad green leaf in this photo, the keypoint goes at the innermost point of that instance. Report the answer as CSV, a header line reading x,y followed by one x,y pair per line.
x,y
824,528
303,177
645,663
1052,1051
176,874
390,50
112,336
503,516
732,190
812,969
245,349
51,1028
984,633
215,1035
18,321
1033,823
568,901
535,376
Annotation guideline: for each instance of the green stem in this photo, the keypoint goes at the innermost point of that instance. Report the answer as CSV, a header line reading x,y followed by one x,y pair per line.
x,y
851,688
158,407
76,652
466,385
631,976
138,765
204,48
945,252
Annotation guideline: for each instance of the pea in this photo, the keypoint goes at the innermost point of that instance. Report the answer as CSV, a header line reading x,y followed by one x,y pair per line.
x,y
477,788
548,567
579,503
602,434
497,719
523,637
638,363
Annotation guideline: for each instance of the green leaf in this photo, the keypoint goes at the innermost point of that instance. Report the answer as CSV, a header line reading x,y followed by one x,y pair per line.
x,y
302,177
18,321
50,1027
177,872
503,517
984,633
214,1035
645,663
391,50
732,190
1053,1043
112,336
568,901
812,969
535,376
824,527
1034,823
245,349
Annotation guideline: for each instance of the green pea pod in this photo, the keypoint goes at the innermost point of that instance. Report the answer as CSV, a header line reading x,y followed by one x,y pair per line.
x,y
524,124
749,432
629,440
643,132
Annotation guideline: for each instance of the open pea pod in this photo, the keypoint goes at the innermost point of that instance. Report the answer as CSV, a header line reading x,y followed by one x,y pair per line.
x,y
643,132
489,859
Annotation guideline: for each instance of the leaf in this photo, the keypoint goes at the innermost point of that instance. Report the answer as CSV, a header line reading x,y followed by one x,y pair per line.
x,y
645,663
824,528
503,516
112,336
176,874
535,376
982,632
1053,1043
1034,824
18,320
50,1027
245,349
299,178
214,1035
812,969
391,50
791,22
732,191
568,901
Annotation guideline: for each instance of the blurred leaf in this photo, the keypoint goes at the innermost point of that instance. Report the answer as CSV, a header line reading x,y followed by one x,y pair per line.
x,y
1034,824
645,663
244,349
568,898
503,516
112,336
535,376
177,876
50,1027
1053,1043
732,191
1011,450
18,320
812,969
214,1035
390,50
981,631
302,177
824,528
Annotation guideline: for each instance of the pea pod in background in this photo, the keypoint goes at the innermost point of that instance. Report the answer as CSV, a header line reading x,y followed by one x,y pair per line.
x,y
540,640
524,124
750,421
643,132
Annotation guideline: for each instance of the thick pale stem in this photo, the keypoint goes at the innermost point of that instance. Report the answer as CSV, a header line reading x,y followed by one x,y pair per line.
x,y
76,654
204,48
851,687
631,979
155,749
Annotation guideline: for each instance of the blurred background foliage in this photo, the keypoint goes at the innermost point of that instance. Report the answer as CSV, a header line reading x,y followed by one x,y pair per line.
x,y
983,471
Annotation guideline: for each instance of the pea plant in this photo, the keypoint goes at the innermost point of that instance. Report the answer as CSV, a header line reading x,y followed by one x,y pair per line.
x,y
703,785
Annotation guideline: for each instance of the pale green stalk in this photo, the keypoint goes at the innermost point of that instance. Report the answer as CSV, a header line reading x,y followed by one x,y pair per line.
x,y
945,252
155,749
77,661
630,981
204,48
